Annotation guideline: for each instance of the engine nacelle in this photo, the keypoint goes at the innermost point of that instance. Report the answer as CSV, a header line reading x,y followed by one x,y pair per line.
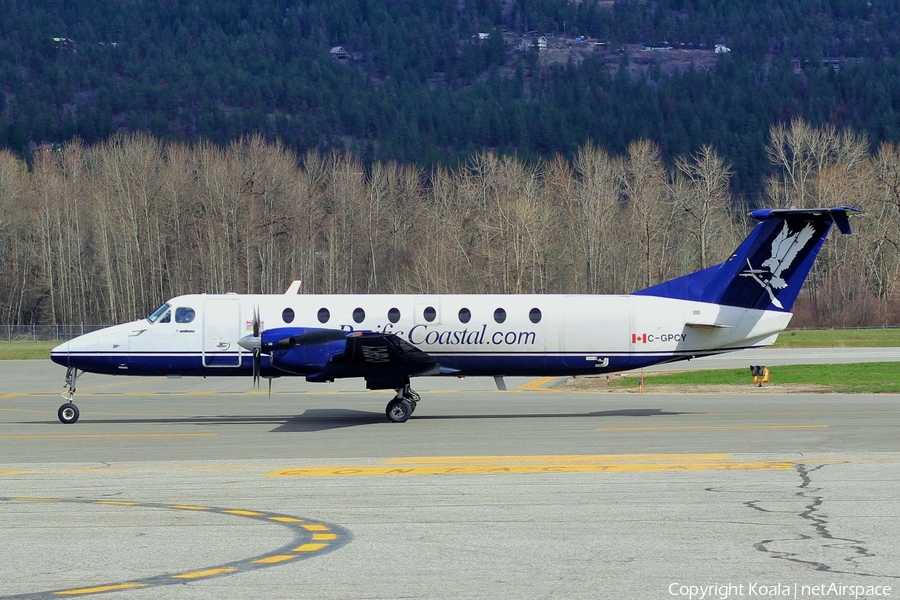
x,y
302,350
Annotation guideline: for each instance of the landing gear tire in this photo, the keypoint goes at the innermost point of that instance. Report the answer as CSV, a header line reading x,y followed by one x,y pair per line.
x,y
68,413
398,410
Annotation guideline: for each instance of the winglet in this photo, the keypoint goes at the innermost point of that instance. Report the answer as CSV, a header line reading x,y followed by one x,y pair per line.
x,y
768,269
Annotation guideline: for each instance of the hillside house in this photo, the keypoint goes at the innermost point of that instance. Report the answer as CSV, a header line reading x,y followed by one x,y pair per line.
x,y
338,53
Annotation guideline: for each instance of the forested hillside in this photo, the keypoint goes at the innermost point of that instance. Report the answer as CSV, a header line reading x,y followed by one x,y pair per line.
x,y
107,232
421,87
158,147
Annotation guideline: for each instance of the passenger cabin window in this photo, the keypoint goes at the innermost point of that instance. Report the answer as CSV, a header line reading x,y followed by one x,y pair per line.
x,y
287,315
465,315
430,314
184,314
156,314
535,315
499,315
394,315
359,315
324,315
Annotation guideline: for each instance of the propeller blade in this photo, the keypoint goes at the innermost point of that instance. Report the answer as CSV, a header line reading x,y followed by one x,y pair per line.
x,y
257,353
253,343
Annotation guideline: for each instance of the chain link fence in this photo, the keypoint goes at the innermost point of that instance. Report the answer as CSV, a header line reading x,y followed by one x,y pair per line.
x,y
11,333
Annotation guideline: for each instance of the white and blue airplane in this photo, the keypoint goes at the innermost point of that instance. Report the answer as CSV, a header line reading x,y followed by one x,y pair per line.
x,y
389,339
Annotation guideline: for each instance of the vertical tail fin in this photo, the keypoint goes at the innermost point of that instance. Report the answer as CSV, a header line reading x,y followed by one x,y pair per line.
x,y
768,269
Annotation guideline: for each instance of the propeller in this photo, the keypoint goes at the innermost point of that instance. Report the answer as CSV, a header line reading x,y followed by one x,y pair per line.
x,y
257,352
253,343
257,349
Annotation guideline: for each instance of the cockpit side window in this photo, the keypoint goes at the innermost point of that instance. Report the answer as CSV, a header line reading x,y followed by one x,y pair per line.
x,y
156,314
167,318
184,314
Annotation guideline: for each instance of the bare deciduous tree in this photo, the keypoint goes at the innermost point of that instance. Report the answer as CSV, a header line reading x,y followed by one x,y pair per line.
x,y
596,217
702,188
105,233
651,215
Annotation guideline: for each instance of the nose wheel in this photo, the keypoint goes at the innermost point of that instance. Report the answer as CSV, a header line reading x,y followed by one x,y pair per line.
x,y
68,412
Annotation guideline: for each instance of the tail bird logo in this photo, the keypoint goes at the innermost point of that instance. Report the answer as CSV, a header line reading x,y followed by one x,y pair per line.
x,y
785,248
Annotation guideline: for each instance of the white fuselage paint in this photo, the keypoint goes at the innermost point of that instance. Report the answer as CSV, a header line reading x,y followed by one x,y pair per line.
x,y
573,332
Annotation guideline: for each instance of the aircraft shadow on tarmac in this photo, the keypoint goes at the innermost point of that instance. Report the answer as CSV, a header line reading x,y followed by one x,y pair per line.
x,y
324,419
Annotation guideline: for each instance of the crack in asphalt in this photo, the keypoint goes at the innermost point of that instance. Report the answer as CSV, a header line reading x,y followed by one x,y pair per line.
x,y
754,504
818,520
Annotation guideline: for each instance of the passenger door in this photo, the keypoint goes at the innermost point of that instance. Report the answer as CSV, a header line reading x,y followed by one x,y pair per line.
x,y
221,332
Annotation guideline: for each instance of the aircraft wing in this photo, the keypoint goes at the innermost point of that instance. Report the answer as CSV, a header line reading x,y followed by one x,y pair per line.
x,y
381,352
383,359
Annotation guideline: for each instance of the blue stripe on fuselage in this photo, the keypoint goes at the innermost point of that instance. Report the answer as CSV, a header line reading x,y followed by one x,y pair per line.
x,y
523,364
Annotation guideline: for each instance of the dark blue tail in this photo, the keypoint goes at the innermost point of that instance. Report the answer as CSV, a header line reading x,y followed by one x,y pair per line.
x,y
769,267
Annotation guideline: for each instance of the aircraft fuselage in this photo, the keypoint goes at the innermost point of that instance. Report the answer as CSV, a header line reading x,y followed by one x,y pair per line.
x,y
531,335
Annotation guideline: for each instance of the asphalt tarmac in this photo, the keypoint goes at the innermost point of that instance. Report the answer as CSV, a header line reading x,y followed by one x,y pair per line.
x,y
226,492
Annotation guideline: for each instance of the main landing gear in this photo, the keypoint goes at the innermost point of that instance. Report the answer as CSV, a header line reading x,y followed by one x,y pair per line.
x,y
68,412
402,406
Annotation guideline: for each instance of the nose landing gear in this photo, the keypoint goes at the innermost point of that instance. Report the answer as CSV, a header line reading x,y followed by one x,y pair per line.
x,y
68,412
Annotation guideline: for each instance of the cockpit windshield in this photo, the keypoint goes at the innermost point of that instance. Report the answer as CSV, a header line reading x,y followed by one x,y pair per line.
x,y
156,314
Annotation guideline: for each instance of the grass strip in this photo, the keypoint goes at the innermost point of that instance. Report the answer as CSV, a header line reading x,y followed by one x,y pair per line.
x,y
19,350
839,338
880,377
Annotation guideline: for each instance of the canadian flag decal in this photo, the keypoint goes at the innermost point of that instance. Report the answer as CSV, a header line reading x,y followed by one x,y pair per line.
x,y
635,338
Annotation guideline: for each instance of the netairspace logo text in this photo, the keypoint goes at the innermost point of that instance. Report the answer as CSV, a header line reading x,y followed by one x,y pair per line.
x,y
777,590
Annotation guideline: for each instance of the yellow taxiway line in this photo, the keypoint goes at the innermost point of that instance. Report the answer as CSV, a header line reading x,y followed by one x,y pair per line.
x,y
536,384
103,435
310,539
100,589
484,465
709,427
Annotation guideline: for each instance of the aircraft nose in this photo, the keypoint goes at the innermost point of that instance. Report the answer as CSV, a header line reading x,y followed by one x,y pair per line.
x,y
73,352
60,354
